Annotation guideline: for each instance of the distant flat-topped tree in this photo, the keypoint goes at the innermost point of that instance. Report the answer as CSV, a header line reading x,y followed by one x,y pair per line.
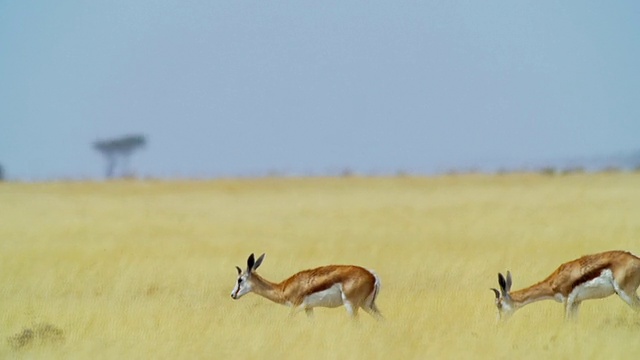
x,y
119,150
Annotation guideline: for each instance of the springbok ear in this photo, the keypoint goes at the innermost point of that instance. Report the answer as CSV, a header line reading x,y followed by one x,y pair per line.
x,y
239,270
508,288
503,285
496,292
258,262
250,261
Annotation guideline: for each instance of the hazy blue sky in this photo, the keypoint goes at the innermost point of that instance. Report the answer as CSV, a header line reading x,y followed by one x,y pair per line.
x,y
309,87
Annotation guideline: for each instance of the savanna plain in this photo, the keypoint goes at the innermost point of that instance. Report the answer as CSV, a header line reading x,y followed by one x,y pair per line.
x,y
144,269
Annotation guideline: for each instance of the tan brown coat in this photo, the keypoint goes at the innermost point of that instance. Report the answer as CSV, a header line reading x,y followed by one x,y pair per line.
x,y
589,277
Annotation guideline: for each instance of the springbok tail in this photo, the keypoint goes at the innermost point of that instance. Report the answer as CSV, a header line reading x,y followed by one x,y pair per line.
x,y
371,299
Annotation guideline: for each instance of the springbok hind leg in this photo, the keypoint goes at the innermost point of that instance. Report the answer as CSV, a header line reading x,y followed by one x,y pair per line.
x,y
631,298
351,309
628,293
373,311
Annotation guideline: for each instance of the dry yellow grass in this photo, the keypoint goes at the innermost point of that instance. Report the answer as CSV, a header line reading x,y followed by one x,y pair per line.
x,y
145,269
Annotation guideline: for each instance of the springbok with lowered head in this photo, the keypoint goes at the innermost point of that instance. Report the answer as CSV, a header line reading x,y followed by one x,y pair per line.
x,y
327,286
593,276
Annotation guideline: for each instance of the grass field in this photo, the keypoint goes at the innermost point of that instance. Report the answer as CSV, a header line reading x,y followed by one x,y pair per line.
x,y
132,270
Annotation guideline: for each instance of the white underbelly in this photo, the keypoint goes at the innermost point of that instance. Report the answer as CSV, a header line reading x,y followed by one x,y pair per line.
x,y
597,288
331,297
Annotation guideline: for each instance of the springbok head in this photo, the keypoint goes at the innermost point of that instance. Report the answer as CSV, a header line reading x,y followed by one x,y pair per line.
x,y
504,303
244,284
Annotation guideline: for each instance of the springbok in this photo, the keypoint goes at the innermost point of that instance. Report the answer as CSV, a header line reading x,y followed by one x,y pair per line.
x,y
327,286
593,276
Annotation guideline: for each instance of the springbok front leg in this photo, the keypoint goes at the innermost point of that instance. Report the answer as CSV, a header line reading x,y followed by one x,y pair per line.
x,y
571,310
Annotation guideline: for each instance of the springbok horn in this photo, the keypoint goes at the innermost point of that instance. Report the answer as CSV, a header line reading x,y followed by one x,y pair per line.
x,y
497,293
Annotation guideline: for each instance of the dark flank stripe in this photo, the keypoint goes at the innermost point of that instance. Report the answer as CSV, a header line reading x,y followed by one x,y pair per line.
x,y
590,275
320,287
308,277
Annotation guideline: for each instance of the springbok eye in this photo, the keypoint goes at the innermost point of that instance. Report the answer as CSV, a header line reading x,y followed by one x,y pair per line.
x,y
239,280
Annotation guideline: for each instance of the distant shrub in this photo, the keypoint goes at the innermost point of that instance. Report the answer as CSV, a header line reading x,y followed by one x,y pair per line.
x,y
548,171
273,173
39,334
611,169
573,170
347,172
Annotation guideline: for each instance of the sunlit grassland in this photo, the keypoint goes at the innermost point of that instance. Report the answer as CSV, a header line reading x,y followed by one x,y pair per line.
x,y
145,269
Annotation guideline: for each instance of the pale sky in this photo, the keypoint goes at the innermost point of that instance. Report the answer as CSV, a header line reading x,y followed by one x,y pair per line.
x,y
228,88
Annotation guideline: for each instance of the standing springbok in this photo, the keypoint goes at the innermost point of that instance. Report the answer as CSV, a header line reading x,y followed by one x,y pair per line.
x,y
326,286
593,276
